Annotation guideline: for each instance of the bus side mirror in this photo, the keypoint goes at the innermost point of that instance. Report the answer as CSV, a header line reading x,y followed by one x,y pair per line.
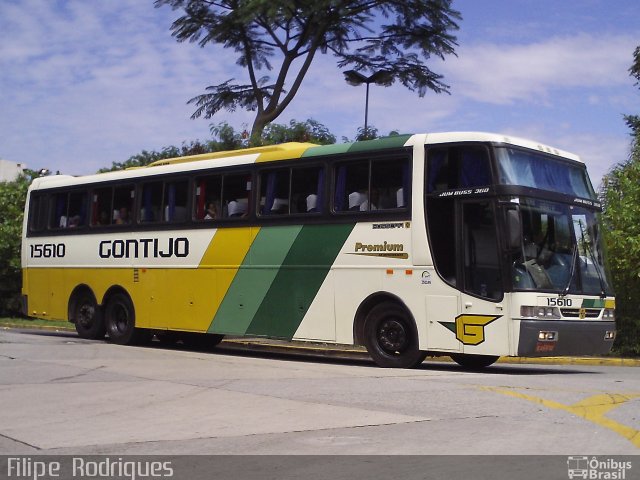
x,y
514,229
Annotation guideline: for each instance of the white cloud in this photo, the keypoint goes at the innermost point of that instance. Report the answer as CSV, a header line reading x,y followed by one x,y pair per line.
x,y
510,73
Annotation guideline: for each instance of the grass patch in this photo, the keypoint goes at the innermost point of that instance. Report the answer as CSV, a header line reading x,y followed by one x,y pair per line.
x,y
18,322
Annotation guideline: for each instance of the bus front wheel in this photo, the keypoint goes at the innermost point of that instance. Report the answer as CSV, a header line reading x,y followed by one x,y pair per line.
x,y
391,337
87,317
120,320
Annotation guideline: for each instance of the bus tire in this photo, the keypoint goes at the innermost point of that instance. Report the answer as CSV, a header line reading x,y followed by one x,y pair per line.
x,y
391,337
87,316
474,362
120,321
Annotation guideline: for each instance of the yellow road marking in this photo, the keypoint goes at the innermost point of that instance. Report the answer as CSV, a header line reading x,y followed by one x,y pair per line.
x,y
592,409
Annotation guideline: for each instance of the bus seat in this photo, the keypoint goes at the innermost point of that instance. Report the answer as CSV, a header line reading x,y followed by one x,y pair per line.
x,y
312,202
237,208
356,199
400,198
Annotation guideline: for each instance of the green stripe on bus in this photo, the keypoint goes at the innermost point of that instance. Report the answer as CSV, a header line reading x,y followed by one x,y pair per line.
x,y
323,150
298,281
395,141
253,280
592,303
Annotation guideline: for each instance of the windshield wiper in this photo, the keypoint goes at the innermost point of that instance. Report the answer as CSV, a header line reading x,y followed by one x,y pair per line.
x,y
572,272
596,265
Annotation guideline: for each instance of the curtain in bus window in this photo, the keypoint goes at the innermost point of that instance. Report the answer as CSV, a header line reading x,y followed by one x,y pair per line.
x,y
521,168
579,183
202,190
551,175
436,161
474,169
341,186
270,193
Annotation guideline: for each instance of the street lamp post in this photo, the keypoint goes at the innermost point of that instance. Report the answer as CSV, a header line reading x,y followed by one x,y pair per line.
x,y
355,78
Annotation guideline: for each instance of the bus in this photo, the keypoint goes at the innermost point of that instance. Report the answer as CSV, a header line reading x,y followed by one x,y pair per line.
x,y
466,244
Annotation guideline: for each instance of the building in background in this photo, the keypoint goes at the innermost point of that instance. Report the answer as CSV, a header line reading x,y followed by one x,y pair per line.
x,y
9,171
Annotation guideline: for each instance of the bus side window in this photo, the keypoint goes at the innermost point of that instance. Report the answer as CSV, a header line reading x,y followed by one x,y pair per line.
x,y
236,192
307,189
390,184
208,191
175,201
77,214
38,213
150,205
274,191
124,203
457,167
101,201
351,190
60,206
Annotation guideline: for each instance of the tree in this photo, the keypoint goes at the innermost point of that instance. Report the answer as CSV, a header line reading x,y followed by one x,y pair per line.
x,y
146,157
226,138
633,121
13,196
307,131
621,217
395,36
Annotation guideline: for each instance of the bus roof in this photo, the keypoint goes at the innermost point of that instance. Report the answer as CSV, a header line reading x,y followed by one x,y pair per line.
x,y
293,150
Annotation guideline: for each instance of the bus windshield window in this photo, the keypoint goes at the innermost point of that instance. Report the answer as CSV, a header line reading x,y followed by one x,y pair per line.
x,y
536,170
561,250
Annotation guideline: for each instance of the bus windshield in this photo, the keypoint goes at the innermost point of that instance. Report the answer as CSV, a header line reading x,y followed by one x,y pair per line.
x,y
537,170
560,250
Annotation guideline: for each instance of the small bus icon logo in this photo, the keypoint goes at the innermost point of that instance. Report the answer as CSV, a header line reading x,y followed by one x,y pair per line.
x,y
578,467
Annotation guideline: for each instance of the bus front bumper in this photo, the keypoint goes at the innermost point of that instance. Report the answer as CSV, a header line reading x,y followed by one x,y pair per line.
x,y
550,338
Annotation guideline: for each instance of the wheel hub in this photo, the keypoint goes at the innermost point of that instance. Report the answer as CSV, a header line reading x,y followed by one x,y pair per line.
x,y
392,336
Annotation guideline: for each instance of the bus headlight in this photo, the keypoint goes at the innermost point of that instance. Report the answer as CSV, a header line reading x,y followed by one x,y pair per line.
x,y
548,313
547,336
608,314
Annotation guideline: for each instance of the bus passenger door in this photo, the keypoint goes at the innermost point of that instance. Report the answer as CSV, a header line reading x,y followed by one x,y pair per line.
x,y
481,325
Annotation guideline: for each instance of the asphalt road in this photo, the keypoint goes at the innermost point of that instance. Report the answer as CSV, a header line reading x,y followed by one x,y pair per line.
x,y
63,395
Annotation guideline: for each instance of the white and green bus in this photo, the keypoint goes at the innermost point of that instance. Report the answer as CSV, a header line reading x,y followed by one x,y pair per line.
x,y
471,245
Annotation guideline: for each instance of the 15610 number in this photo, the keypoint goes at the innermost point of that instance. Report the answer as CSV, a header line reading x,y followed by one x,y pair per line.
x,y
47,250
559,302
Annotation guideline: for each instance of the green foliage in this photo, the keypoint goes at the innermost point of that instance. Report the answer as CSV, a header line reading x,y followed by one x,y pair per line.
x,y
308,131
145,157
397,37
633,121
621,217
370,133
12,200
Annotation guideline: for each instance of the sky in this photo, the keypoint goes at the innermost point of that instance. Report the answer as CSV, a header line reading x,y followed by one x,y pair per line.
x,y
87,83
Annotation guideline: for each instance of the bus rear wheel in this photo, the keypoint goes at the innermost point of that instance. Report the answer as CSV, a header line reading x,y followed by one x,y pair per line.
x,y
391,337
474,362
120,321
87,317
